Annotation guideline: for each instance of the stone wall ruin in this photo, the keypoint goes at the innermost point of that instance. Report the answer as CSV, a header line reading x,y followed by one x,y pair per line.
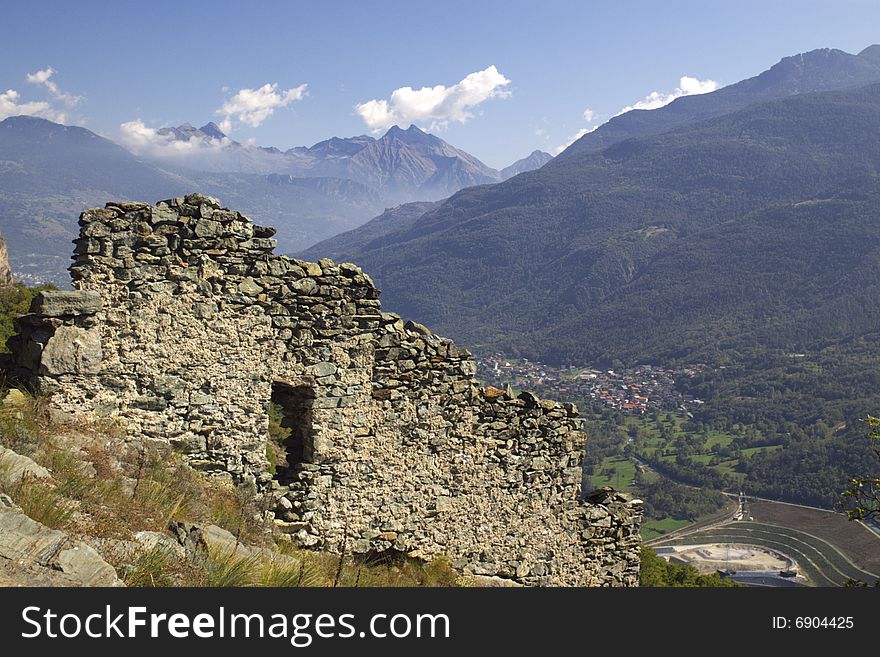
x,y
184,325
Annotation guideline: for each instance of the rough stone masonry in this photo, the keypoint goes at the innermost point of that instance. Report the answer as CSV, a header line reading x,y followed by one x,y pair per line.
x,y
184,326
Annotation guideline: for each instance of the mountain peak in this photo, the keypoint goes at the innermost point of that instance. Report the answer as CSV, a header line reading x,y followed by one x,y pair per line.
x,y
413,132
534,160
412,128
186,131
819,70
212,130
27,119
339,146
818,55
823,69
871,53
38,127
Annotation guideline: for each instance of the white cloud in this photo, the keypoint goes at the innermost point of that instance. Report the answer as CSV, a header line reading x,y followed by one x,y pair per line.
x,y
589,117
687,86
434,106
253,106
144,140
41,77
573,138
44,78
10,106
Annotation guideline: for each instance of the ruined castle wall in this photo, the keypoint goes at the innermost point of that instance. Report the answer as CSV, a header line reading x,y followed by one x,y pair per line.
x,y
184,323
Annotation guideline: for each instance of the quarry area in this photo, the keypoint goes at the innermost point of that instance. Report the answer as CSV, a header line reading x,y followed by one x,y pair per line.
x,y
712,557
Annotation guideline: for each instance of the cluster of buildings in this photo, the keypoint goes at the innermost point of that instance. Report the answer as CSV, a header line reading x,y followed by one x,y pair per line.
x,y
630,390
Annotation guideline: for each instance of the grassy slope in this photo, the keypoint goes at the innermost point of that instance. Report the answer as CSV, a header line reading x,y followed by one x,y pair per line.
x,y
105,489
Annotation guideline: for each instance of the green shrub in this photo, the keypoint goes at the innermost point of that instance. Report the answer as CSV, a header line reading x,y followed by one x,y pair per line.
x,y
658,573
15,300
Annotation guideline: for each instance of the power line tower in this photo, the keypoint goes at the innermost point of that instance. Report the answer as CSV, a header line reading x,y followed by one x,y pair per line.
x,y
742,513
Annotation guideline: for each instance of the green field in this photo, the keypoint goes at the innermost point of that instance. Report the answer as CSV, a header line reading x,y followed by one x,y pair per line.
x,y
665,436
618,472
748,451
664,439
653,528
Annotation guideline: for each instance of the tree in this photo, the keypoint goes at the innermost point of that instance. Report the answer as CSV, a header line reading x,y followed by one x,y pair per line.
x,y
657,573
862,498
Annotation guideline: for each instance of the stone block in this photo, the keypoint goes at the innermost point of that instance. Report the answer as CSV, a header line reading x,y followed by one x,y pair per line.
x,y
63,303
72,350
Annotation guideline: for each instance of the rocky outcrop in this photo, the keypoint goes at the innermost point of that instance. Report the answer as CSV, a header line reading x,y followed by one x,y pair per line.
x,y
15,467
6,277
185,325
31,554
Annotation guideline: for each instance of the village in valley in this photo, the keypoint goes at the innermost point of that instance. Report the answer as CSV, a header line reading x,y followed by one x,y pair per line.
x,y
634,391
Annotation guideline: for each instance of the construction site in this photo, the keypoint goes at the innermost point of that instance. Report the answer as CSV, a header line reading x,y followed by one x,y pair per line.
x,y
729,558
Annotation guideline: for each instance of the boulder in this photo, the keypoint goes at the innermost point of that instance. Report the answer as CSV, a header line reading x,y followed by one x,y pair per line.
x,y
31,554
14,467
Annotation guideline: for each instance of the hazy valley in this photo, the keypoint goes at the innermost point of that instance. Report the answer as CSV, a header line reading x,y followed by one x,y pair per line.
x,y
50,172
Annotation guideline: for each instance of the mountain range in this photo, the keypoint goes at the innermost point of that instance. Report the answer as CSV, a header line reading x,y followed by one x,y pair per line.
x,y
400,166
736,231
50,172
751,226
825,69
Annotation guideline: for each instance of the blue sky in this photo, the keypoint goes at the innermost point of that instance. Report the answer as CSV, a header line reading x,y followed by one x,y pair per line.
x,y
163,63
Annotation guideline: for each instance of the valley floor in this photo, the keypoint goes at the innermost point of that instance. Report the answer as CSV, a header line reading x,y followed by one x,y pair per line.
x,y
643,439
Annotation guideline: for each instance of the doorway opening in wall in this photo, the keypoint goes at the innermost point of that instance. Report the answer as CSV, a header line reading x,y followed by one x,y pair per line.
x,y
291,440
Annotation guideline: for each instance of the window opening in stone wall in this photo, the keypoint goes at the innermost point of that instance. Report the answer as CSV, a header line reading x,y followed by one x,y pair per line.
x,y
290,429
